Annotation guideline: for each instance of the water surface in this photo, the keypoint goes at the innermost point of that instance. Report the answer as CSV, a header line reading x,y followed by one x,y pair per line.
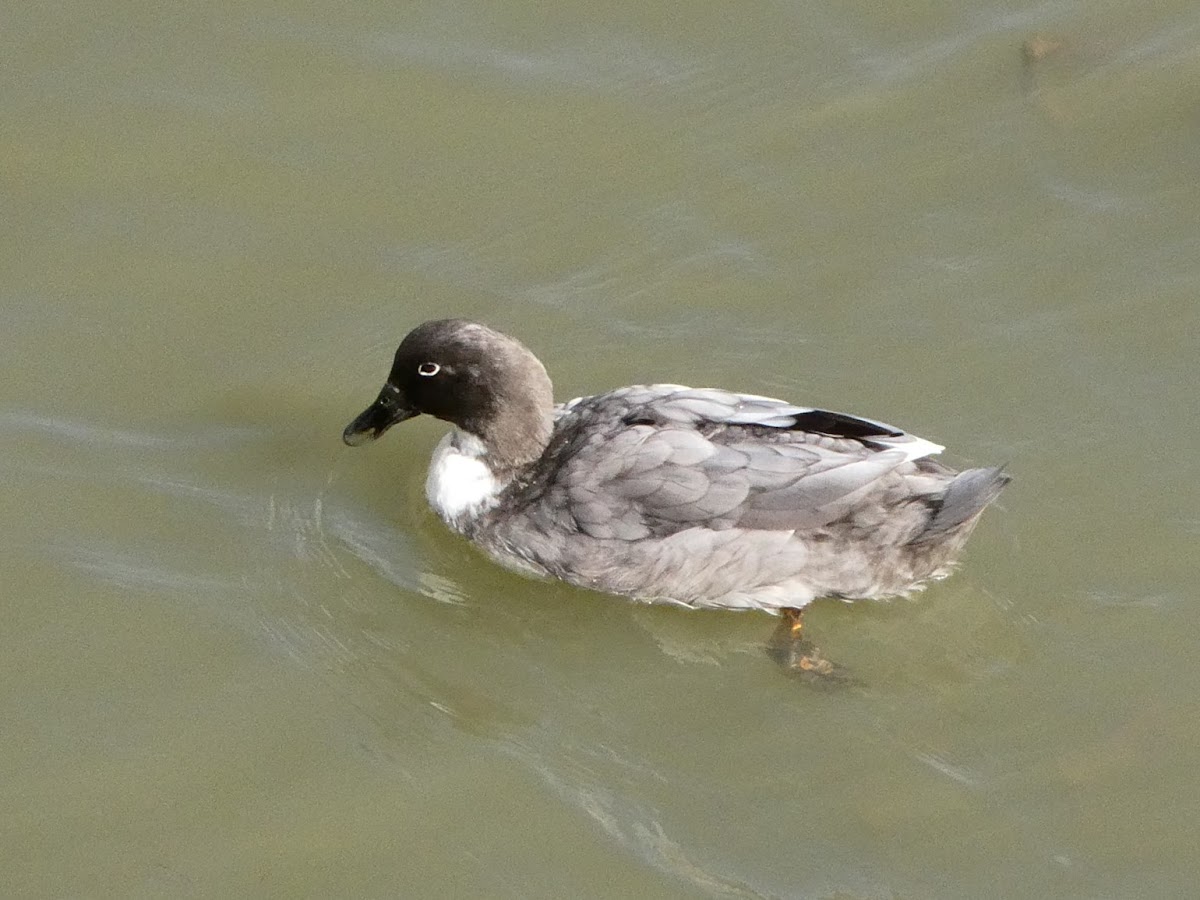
x,y
240,659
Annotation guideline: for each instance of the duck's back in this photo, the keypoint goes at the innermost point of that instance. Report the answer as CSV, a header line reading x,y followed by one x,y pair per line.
x,y
713,498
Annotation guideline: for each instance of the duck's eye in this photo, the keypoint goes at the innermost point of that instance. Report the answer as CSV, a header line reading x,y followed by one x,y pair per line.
x,y
428,369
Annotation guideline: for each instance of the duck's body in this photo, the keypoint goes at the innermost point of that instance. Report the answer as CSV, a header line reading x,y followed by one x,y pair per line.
x,y
664,493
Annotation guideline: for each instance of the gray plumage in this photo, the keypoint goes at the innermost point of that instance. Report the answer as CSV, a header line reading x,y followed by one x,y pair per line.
x,y
665,493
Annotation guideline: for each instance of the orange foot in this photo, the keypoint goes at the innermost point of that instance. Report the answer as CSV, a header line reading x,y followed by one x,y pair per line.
x,y
794,653
818,665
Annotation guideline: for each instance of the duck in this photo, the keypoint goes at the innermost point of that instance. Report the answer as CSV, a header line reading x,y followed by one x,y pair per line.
x,y
662,493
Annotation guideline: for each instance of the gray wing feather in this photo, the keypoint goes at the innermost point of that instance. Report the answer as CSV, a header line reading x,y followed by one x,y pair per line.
x,y
678,486
659,473
696,406
709,405
811,490
647,454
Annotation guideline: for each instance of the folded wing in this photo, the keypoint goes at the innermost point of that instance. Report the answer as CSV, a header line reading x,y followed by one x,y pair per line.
x,y
675,457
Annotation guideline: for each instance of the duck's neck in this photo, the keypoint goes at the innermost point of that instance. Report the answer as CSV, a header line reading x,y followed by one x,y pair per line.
x,y
469,472
514,427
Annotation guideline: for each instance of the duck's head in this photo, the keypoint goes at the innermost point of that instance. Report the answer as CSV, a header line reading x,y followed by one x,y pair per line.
x,y
483,382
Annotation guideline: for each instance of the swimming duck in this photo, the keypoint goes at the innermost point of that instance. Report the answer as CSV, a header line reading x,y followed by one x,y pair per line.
x,y
665,493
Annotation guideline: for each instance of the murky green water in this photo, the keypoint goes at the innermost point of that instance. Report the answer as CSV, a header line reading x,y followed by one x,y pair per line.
x,y
239,659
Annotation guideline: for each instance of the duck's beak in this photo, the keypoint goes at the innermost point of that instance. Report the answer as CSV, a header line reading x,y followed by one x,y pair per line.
x,y
390,408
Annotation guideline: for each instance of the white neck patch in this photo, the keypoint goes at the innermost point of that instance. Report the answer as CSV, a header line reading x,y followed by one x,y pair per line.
x,y
460,485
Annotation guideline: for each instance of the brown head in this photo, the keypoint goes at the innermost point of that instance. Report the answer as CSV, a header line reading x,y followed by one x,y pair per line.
x,y
480,380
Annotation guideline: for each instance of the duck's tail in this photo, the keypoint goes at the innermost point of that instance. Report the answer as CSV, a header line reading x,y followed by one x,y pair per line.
x,y
965,498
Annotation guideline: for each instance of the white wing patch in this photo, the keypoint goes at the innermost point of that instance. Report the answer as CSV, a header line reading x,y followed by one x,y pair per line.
x,y
912,446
